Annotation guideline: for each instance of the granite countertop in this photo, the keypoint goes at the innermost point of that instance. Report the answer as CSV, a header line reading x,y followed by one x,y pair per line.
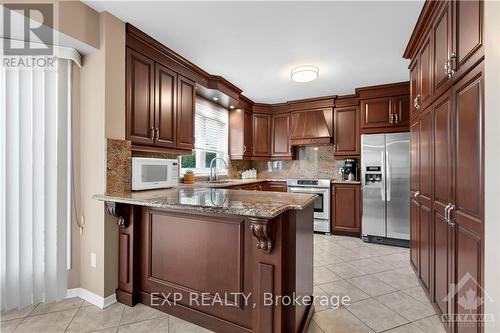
x,y
215,200
227,182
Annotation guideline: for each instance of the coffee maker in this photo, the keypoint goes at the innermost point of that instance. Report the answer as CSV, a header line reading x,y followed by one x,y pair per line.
x,y
350,170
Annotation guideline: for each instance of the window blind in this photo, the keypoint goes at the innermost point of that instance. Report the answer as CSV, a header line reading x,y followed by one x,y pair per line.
x,y
211,127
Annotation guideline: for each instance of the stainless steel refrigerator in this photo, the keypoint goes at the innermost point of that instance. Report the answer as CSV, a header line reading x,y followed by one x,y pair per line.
x,y
385,179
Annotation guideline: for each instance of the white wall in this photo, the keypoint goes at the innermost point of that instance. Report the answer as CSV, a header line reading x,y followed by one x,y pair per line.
x,y
492,162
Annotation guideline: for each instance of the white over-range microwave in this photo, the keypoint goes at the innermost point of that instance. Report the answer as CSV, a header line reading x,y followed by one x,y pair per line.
x,y
152,173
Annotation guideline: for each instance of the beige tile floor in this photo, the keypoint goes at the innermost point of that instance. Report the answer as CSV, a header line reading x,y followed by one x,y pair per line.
x,y
385,297
384,291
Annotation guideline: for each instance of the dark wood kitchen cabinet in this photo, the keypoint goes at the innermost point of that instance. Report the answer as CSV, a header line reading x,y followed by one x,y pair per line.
x,y
385,108
385,114
240,134
346,131
468,49
160,105
261,135
185,113
280,144
442,47
276,186
449,106
140,95
466,212
345,205
165,106
414,180
424,197
450,46
442,232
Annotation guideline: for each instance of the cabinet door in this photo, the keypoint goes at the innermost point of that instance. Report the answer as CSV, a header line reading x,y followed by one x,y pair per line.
x,y
400,110
442,239
425,74
165,106
281,134
276,186
261,135
414,183
425,198
140,98
185,113
248,136
346,130
414,87
441,35
345,208
468,28
376,112
468,190
236,133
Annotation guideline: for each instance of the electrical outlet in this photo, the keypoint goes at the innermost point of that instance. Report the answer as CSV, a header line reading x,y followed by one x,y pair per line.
x,y
93,260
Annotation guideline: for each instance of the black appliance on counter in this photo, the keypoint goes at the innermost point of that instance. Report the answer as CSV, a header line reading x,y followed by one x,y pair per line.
x,y
350,170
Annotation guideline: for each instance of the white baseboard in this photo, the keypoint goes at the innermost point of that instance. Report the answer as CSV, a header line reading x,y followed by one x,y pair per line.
x,y
92,298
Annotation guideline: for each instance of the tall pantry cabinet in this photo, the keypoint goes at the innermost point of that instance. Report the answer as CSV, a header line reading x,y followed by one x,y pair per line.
x,y
447,158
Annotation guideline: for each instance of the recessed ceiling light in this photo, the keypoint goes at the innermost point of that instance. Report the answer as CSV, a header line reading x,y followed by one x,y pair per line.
x,y
231,107
304,73
238,110
215,98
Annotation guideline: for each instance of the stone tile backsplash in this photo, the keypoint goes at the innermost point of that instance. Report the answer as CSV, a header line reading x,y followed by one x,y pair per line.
x,y
310,162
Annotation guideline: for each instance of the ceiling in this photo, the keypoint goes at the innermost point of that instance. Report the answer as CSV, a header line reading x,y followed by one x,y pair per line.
x,y
254,45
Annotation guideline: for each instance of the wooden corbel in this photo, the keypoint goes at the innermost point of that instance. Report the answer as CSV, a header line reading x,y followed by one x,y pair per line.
x,y
120,211
262,229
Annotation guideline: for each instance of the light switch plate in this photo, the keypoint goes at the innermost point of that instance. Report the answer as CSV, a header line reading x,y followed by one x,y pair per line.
x,y
93,260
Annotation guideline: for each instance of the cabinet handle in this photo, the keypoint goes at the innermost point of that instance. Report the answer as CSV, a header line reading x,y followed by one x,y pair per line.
x,y
334,148
417,101
449,66
452,207
391,117
416,195
446,213
152,135
244,149
157,133
396,118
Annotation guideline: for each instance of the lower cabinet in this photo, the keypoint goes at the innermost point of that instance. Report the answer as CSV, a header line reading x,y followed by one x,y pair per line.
x,y
271,186
345,215
276,186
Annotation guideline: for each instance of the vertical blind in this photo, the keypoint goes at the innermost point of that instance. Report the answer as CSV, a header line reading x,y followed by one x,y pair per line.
x,y
35,106
211,127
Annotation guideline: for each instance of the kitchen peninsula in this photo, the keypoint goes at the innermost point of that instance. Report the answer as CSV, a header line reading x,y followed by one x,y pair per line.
x,y
234,247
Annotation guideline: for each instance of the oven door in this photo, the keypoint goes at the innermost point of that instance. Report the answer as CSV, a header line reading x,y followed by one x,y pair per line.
x,y
321,203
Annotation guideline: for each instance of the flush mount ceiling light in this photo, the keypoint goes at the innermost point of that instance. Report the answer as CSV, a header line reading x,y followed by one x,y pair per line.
x,y
304,73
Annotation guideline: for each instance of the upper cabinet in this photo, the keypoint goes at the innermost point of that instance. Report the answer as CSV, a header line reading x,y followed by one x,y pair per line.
x,y
140,94
185,113
160,104
240,134
261,135
311,126
346,131
280,146
468,41
385,108
447,43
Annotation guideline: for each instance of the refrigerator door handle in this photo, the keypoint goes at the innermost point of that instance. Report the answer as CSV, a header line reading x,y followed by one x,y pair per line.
x,y
388,175
383,180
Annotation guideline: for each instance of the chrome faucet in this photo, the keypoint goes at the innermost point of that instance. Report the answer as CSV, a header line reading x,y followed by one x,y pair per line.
x,y
213,171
